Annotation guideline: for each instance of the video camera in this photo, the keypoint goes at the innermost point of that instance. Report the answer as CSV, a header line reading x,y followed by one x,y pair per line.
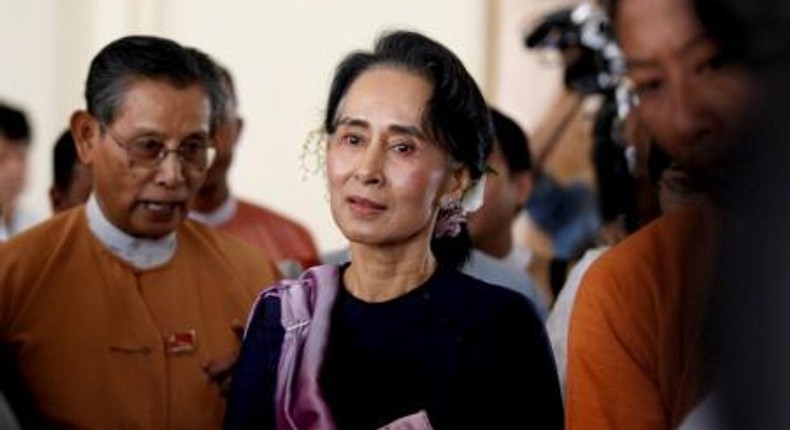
x,y
594,63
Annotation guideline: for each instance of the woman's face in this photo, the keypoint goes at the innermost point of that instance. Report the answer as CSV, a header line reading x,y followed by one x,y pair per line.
x,y
386,175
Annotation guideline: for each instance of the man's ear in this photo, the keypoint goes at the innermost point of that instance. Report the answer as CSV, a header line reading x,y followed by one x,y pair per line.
x,y
234,129
85,131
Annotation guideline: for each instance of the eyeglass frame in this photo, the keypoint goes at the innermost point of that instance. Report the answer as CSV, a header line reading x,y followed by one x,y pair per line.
x,y
163,152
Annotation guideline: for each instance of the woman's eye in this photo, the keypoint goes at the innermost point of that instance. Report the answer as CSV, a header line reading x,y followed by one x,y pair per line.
x,y
403,147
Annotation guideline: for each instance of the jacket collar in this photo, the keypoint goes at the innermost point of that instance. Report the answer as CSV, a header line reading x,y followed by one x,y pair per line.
x,y
139,252
219,216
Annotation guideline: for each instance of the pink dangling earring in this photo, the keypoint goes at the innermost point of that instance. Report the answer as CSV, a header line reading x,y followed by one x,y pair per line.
x,y
451,216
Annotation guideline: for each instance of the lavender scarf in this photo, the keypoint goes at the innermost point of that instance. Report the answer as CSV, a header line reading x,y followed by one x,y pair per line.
x,y
306,305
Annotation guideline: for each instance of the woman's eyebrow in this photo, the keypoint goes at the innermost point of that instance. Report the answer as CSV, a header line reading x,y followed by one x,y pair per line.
x,y
410,130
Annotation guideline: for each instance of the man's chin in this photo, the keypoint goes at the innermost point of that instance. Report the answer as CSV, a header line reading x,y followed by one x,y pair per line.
x,y
154,230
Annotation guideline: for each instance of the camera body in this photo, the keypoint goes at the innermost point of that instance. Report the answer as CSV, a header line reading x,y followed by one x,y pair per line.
x,y
593,62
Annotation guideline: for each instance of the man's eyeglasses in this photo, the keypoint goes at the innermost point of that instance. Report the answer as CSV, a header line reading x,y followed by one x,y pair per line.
x,y
195,154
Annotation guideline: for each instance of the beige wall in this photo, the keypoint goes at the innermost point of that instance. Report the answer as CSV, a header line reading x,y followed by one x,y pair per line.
x,y
282,54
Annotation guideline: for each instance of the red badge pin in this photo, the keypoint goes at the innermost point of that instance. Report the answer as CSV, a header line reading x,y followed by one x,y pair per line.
x,y
181,342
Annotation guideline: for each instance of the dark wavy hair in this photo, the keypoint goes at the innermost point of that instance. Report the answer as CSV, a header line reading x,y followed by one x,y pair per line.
x,y
456,115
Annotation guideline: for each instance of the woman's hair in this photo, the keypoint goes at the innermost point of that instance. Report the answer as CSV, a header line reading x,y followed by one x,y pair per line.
x,y
456,115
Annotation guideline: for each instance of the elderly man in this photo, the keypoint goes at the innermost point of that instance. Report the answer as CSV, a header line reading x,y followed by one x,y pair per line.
x,y
114,314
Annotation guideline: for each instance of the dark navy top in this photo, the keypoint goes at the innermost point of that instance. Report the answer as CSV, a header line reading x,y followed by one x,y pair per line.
x,y
470,354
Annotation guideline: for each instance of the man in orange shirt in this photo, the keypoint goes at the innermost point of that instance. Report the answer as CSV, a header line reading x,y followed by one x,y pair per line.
x,y
285,241
116,314
634,359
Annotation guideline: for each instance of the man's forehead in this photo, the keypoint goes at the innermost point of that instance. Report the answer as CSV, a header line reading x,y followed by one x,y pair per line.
x,y
162,90
149,104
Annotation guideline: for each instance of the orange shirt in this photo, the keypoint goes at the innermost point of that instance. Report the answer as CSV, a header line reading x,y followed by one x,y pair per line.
x,y
633,358
95,342
278,236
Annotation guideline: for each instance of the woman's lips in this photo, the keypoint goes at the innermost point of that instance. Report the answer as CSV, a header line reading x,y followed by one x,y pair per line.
x,y
364,206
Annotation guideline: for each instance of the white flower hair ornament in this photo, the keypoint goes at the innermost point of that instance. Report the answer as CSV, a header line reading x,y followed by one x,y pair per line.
x,y
474,195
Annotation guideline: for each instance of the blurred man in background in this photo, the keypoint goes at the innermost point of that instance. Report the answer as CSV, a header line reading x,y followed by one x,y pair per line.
x,y
14,146
495,257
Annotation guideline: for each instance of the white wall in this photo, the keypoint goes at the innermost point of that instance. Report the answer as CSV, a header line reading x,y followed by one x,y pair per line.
x,y
281,52
28,61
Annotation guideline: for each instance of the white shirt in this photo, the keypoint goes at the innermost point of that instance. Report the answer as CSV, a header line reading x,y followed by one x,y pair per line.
x,y
558,324
139,252
219,216
518,258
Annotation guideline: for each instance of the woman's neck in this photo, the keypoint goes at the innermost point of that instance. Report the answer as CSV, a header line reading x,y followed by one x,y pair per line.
x,y
378,274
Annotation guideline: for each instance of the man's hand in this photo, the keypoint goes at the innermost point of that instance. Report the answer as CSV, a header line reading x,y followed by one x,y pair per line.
x,y
220,371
